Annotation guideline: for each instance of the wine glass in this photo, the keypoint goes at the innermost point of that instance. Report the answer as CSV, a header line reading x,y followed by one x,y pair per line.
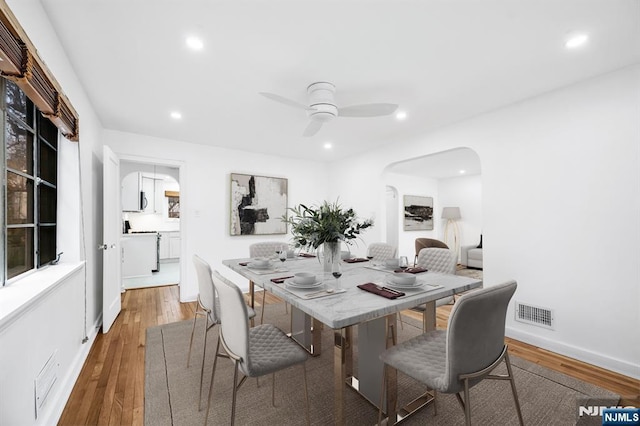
x,y
403,263
336,271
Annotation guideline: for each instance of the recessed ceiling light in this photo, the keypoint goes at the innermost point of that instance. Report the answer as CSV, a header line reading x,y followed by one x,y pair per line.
x,y
401,115
194,43
575,40
176,115
328,145
463,172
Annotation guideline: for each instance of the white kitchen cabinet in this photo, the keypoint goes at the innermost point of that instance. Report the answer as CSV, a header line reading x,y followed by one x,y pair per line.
x,y
131,192
169,245
153,195
174,245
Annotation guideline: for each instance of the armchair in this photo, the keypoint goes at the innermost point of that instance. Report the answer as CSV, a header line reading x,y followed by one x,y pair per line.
x,y
471,256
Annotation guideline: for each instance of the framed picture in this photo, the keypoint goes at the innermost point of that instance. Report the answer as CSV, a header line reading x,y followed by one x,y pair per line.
x,y
258,204
418,213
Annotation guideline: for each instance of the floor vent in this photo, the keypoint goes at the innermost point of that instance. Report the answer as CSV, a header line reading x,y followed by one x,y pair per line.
x,y
535,315
45,381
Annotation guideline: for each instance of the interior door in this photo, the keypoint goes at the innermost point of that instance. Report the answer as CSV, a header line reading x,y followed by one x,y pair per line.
x,y
111,232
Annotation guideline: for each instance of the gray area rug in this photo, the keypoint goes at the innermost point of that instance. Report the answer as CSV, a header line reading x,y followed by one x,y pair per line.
x,y
471,273
171,389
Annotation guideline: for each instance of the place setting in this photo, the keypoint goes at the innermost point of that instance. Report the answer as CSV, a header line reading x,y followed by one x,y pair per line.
x,y
263,265
307,285
398,284
405,281
390,265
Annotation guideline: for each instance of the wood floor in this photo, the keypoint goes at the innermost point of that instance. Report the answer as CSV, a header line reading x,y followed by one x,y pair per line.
x,y
110,389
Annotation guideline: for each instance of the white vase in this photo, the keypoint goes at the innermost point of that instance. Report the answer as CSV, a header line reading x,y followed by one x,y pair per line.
x,y
331,253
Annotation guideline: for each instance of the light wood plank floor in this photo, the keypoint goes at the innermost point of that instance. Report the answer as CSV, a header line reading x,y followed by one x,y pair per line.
x,y
110,389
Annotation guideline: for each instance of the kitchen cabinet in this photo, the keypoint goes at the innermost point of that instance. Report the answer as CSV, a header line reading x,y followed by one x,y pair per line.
x,y
174,245
131,192
169,245
153,195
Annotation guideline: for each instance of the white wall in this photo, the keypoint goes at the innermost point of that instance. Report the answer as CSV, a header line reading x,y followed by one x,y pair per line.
x,y
205,197
554,168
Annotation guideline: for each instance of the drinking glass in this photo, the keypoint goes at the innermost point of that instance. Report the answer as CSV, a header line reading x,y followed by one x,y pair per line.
x,y
282,254
403,262
336,271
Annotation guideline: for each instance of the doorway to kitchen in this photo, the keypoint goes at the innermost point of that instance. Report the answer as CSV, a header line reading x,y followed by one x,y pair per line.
x,y
151,240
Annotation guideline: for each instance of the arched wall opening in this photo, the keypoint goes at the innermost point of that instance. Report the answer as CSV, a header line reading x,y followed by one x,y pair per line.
x,y
449,178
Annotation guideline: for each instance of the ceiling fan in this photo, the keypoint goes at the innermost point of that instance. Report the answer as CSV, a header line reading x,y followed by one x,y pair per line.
x,y
322,107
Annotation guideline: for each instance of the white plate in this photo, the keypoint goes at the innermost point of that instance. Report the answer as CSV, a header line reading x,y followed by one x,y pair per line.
x,y
295,285
415,284
254,266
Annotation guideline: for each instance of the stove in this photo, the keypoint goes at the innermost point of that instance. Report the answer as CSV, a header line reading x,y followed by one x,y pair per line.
x,y
157,246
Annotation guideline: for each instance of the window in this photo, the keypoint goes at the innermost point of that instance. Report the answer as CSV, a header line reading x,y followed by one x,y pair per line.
x,y
29,159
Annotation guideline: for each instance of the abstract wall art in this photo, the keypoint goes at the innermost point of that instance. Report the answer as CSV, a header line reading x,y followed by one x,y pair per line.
x,y
257,205
418,213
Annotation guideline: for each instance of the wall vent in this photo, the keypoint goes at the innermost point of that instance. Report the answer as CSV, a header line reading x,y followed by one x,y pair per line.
x,y
45,381
535,315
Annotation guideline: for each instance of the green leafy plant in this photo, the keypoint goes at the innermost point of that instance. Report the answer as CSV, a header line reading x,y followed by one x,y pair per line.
x,y
328,223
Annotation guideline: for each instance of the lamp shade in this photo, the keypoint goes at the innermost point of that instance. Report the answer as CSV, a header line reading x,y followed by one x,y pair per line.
x,y
451,213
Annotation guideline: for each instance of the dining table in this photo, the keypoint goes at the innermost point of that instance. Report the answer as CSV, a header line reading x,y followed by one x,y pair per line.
x,y
341,305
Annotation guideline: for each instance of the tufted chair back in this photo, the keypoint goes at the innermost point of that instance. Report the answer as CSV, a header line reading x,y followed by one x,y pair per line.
x,y
437,260
381,251
266,248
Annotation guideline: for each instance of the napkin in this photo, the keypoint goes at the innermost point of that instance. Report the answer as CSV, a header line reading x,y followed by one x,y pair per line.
x,y
356,260
381,291
281,279
415,270
307,255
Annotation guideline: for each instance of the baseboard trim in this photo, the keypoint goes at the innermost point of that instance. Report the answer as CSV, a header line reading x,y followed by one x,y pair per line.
x,y
613,364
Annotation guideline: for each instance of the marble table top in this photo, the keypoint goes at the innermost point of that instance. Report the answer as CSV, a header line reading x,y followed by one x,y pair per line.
x,y
353,305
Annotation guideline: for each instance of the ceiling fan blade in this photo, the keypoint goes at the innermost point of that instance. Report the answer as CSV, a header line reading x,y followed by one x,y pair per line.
x,y
367,110
285,101
312,128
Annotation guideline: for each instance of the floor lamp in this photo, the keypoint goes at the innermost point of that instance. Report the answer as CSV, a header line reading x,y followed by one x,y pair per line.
x,y
452,214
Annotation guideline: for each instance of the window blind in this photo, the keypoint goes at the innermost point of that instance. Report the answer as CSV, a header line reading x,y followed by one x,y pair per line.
x,y
19,62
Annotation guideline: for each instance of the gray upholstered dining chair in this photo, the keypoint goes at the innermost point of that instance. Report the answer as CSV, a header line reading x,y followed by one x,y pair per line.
x,y
435,259
208,307
255,351
441,260
381,251
458,358
266,249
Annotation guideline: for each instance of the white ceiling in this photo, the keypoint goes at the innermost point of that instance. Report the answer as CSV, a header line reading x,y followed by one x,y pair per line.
x,y
441,60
